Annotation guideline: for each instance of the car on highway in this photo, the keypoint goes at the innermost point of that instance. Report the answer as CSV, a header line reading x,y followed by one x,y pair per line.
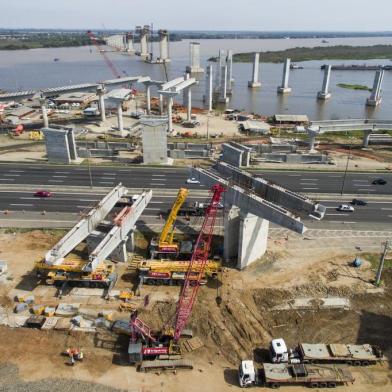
x,y
358,202
345,208
43,194
192,180
379,181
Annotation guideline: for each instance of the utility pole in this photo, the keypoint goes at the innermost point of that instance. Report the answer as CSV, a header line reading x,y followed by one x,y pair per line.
x,y
345,171
387,247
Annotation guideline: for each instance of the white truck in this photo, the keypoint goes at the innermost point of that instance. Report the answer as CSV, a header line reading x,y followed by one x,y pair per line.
x,y
351,354
274,375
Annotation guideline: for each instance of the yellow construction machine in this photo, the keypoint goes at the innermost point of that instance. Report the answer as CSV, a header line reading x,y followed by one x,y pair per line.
x,y
165,246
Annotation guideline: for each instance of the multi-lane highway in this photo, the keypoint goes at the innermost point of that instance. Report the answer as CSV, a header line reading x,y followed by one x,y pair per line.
x,y
173,178
376,211
62,177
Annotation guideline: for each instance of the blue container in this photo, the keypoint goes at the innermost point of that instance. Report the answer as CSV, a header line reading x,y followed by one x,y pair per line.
x,y
357,262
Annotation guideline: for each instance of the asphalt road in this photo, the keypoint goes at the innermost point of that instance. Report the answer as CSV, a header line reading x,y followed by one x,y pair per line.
x,y
375,212
304,182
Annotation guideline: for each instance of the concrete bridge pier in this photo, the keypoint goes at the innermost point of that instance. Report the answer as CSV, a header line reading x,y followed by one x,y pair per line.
x,y
101,102
284,88
375,97
148,98
312,142
120,123
44,112
254,83
245,237
324,93
366,138
160,104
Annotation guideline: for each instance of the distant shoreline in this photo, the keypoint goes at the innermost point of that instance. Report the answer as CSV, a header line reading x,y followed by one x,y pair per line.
x,y
341,52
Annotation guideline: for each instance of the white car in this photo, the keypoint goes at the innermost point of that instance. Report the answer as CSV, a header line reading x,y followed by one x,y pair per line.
x,y
192,180
345,208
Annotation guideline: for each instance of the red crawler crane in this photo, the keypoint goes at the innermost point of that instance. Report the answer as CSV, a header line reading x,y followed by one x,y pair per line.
x,y
194,275
108,62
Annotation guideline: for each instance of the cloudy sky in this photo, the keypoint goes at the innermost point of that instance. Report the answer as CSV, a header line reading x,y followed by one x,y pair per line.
x,y
261,15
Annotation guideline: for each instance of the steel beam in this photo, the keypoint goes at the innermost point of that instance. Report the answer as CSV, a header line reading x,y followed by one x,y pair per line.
x,y
85,226
123,224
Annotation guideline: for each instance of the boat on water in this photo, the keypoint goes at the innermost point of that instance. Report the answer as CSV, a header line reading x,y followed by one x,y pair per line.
x,y
296,66
56,59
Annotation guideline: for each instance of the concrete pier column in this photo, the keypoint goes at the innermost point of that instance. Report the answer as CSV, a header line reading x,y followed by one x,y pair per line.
x,y
230,80
161,104
120,254
312,141
252,239
209,88
254,83
375,97
120,117
102,107
170,113
284,88
194,59
44,112
164,45
324,93
130,244
223,85
148,98
185,92
189,107
232,230
366,137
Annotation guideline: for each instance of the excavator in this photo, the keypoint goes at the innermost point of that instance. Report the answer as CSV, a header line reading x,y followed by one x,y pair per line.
x,y
165,246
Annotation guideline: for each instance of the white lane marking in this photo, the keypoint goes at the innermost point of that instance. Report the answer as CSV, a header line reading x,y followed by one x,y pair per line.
x,y
28,198
362,184
337,214
152,209
360,180
156,202
108,178
309,179
109,174
157,184
105,182
386,209
22,205
60,172
7,179
159,175
83,207
87,200
294,175
12,175
389,216
59,176
334,176
158,179
55,180
310,188
16,171
342,222
366,190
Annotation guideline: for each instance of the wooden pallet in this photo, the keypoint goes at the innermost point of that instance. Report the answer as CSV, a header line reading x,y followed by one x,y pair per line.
x,y
192,344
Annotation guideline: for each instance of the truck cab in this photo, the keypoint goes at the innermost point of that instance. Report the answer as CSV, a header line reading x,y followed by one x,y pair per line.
x,y
246,374
278,351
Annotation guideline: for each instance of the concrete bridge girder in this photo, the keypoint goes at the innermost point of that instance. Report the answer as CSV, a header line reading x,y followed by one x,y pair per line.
x,y
85,226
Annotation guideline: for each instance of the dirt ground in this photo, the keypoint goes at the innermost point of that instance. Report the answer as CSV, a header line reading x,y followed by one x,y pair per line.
x,y
257,305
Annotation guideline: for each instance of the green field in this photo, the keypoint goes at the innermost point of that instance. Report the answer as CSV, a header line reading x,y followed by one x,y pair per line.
x,y
342,52
354,86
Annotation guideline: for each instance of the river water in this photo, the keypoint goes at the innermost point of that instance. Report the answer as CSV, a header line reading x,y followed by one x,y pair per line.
x,y
34,69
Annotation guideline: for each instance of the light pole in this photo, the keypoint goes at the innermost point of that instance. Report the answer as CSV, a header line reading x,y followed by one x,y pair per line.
x,y
208,125
388,245
88,164
345,171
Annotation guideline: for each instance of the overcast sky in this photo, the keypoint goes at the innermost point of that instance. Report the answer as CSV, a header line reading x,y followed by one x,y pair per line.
x,y
261,15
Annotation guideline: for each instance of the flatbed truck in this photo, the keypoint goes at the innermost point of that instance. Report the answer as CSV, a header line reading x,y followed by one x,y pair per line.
x,y
351,354
275,375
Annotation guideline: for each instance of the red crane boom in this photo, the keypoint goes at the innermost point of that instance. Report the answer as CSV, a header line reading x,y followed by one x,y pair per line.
x,y
198,263
108,62
195,272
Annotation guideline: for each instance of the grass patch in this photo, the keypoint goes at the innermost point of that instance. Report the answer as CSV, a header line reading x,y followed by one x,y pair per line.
x,y
374,260
354,86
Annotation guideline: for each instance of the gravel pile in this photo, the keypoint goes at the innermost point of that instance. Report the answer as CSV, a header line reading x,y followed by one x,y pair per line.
x,y
11,382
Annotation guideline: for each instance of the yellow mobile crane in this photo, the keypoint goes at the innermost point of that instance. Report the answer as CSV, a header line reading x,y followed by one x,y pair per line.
x,y
165,246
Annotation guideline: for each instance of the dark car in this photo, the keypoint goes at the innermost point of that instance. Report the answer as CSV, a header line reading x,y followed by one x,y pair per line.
x,y
43,194
379,181
358,202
